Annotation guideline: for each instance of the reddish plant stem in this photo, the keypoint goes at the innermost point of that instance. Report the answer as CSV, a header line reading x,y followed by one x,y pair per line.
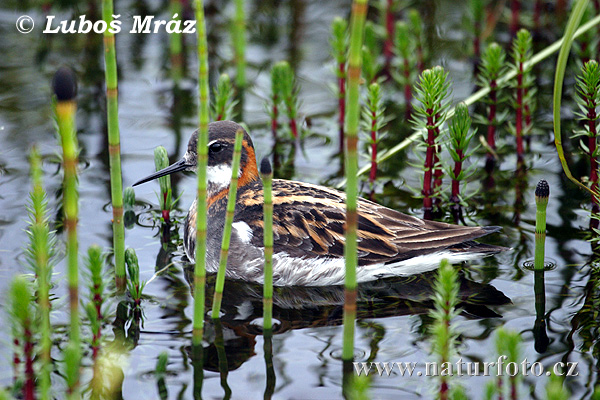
x,y
491,133
519,116
514,17
165,212
29,388
373,172
477,42
407,89
429,162
342,103
597,9
294,128
437,172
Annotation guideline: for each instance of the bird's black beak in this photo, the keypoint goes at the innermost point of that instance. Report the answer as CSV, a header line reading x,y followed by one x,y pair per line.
x,y
180,165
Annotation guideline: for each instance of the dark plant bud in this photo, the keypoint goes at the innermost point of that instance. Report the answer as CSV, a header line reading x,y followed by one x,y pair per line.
x,y
542,189
64,84
265,166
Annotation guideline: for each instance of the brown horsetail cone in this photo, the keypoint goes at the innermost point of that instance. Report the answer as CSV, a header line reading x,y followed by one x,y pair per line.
x,y
64,84
265,166
542,190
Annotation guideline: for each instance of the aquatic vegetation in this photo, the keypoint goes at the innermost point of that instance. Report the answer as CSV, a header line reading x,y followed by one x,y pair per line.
x,y
23,331
357,22
405,51
231,200
521,53
202,154
114,145
432,92
339,49
542,192
133,269
96,288
460,133
238,34
373,121
266,174
165,196
223,102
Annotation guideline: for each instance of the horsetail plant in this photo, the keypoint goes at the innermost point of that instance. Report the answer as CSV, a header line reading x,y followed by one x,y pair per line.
x,y
491,68
373,122
275,99
165,197
133,284
359,13
202,151
289,95
458,147
370,51
432,93
39,254
23,325
588,99
388,44
405,51
239,44
415,25
114,145
476,8
266,174
542,192
65,90
223,103
231,201
521,52
94,263
175,45
339,50
443,335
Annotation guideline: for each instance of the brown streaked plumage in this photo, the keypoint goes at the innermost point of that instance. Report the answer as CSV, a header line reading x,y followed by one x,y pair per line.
x,y
309,226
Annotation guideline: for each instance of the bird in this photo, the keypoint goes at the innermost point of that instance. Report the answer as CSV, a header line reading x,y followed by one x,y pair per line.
x,y
309,225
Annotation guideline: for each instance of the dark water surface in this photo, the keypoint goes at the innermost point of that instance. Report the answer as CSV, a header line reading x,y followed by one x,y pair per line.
x,y
306,347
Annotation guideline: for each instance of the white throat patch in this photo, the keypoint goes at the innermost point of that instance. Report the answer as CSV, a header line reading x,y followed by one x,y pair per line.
x,y
219,176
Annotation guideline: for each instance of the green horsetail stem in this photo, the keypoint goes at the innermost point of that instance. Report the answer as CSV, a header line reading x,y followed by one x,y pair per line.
x,y
266,174
65,89
133,268
357,23
40,251
165,197
114,146
175,43
202,151
542,192
160,373
239,43
231,201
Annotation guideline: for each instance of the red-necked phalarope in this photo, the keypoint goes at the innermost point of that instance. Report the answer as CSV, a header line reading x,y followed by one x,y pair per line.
x,y
308,226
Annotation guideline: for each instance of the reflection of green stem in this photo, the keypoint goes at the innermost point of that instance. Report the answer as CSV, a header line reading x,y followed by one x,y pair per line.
x,y
542,191
268,351
239,43
222,358
160,372
114,146
175,43
202,151
231,200
40,247
65,89
359,13
267,179
542,55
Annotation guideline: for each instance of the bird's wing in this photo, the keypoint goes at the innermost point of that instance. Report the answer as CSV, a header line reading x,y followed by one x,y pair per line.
x,y
309,221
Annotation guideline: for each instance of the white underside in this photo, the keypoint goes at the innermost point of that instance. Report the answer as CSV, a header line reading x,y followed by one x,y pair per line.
x,y
290,271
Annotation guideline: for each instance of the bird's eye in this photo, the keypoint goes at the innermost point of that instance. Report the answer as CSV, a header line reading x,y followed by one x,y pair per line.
x,y
216,147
